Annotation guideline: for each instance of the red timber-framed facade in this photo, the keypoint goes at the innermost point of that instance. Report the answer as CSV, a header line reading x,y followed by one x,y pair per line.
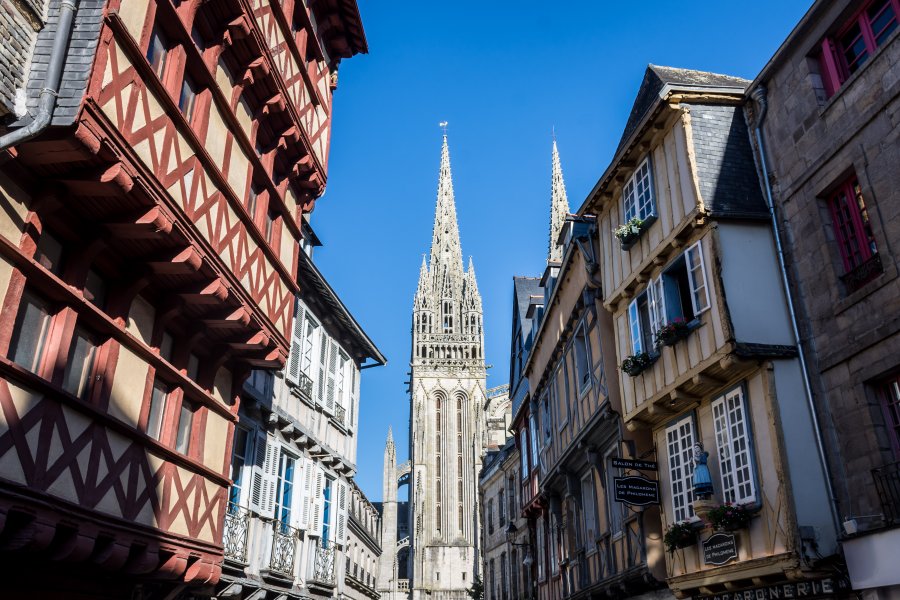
x,y
149,247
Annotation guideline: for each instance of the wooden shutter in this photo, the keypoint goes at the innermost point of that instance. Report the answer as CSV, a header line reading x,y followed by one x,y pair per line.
x,y
331,384
324,343
264,476
257,471
306,493
318,502
296,352
341,512
297,493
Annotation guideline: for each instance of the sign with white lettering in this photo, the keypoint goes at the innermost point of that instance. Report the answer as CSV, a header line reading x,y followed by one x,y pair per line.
x,y
818,588
636,491
638,465
719,549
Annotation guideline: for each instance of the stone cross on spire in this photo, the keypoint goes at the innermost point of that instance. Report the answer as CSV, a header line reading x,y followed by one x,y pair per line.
x,y
446,254
559,207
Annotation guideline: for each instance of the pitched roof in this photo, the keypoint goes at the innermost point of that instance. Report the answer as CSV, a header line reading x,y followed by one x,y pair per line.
x,y
524,288
657,77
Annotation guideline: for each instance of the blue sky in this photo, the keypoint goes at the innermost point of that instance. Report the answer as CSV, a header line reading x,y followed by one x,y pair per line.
x,y
504,73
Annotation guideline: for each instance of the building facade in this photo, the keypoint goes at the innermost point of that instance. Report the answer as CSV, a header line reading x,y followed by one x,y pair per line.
x,y
824,117
154,187
703,337
287,528
501,520
363,547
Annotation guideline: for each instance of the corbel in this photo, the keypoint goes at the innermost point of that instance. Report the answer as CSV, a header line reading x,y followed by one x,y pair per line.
x,y
181,262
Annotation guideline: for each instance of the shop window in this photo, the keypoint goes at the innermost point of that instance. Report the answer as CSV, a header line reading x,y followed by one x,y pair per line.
x,y
30,332
159,397
853,235
735,448
680,451
80,363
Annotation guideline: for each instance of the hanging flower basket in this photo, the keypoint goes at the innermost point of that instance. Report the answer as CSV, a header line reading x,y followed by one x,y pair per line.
x,y
680,535
634,365
672,332
729,517
629,233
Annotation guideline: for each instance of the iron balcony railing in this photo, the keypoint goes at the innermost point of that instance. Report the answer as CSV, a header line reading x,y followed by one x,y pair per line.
x,y
887,482
284,548
340,414
863,273
235,532
323,567
306,386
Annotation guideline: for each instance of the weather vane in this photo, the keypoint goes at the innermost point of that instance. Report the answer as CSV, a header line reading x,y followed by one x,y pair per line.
x,y
443,125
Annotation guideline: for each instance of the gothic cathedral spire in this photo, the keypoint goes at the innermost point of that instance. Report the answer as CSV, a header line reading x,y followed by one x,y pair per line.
x,y
446,254
559,208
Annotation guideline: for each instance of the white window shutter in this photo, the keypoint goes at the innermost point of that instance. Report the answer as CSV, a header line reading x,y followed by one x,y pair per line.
x,y
656,303
306,492
324,343
634,327
341,512
331,384
270,478
297,493
257,472
318,502
296,351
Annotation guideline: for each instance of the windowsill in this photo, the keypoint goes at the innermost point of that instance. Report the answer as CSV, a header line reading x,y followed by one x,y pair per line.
x,y
852,79
887,276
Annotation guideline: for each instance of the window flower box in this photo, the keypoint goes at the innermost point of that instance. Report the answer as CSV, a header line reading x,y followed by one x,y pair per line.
x,y
629,233
729,517
672,332
680,535
635,364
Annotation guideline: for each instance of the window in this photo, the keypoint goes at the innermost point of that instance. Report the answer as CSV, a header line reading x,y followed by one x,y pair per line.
x,y
187,100
734,446
504,589
589,509
158,398
541,550
165,346
545,419
29,335
271,216
157,52
680,449
193,366
185,427
49,253
252,199
890,397
284,490
552,543
501,510
534,442
680,292
80,363
490,515
845,53
615,510
523,450
582,362
637,194
326,514
240,457
853,234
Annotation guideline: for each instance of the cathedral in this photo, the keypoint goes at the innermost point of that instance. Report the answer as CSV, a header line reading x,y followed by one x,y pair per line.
x,y
448,429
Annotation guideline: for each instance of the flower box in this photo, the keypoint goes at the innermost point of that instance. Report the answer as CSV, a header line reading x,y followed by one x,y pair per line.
x,y
729,517
635,364
629,233
680,535
672,332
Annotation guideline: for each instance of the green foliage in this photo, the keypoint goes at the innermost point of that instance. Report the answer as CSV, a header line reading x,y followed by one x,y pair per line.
x,y
476,592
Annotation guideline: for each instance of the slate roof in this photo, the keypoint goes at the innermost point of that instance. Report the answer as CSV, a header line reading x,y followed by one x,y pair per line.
x,y
657,77
524,288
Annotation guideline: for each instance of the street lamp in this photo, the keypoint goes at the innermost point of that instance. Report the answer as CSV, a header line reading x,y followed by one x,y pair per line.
x,y
511,531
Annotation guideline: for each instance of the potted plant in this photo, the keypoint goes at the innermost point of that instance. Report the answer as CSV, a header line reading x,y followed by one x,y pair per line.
x,y
671,332
729,517
680,535
633,365
629,232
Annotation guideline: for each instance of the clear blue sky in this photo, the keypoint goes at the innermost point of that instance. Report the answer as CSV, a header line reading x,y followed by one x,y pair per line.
x,y
503,73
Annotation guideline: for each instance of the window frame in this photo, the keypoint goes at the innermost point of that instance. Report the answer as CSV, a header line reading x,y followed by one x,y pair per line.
x,y
729,492
848,194
632,207
90,366
889,397
167,391
687,478
40,352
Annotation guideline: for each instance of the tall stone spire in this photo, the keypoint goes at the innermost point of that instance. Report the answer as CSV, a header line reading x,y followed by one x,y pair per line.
x,y
446,253
559,207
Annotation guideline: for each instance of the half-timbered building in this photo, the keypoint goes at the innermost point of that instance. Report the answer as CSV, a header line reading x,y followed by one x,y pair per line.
x,y
153,193
702,333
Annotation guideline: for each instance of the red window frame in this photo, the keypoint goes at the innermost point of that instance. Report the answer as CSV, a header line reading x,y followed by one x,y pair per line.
x,y
835,68
890,403
852,229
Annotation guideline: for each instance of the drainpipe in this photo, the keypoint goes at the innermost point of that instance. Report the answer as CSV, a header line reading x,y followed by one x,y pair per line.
x,y
50,90
759,96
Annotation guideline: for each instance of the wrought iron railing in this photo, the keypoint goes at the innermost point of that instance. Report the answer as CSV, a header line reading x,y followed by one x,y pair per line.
x,y
340,414
306,385
887,482
323,566
863,273
284,548
235,532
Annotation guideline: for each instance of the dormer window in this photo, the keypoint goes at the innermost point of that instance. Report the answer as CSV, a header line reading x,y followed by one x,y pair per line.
x,y
637,194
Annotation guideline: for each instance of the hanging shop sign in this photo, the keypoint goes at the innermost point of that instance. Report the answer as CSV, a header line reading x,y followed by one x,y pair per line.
x,y
638,465
720,549
813,589
636,491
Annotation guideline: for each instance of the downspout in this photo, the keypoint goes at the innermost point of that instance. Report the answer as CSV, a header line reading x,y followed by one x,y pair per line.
x,y
759,96
50,91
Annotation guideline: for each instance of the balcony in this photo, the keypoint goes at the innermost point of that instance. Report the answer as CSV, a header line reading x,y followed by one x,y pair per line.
x,y
340,415
403,585
323,568
887,483
863,273
284,548
305,386
234,534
